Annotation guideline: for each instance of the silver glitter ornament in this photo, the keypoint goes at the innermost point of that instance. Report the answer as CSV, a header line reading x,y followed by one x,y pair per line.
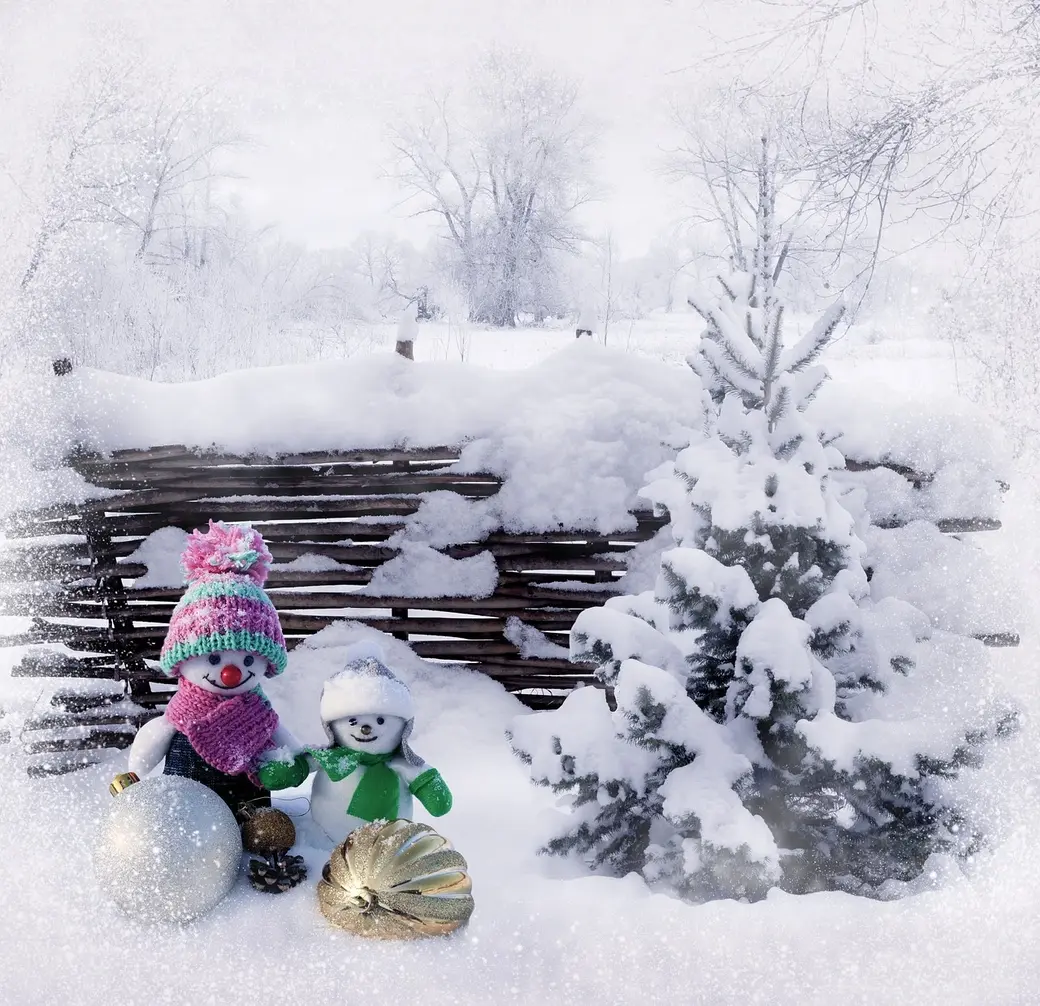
x,y
396,880
169,850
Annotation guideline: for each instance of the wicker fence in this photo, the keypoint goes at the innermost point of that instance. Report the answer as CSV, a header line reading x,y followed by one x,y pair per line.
x,y
66,568
69,572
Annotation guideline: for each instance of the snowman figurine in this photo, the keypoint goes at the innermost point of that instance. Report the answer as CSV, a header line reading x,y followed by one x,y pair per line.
x,y
368,772
224,639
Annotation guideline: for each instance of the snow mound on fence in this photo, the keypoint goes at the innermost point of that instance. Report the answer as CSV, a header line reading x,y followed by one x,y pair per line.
x,y
572,436
927,432
944,578
959,453
420,571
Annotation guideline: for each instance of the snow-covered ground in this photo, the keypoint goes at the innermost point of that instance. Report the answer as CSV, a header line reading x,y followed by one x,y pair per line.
x,y
543,932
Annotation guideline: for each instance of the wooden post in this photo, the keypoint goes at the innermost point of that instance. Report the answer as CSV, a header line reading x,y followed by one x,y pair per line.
x,y
407,330
399,613
114,605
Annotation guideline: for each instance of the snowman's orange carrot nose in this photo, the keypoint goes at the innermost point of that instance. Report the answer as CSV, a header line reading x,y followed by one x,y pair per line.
x,y
230,675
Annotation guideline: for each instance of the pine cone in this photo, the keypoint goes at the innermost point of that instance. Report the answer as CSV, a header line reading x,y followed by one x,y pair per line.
x,y
277,874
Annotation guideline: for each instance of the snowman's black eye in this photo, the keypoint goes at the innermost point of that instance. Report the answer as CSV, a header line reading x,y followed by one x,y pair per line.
x,y
379,719
248,662
214,659
352,721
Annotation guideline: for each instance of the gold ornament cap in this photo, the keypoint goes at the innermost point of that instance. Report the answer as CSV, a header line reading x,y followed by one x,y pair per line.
x,y
122,781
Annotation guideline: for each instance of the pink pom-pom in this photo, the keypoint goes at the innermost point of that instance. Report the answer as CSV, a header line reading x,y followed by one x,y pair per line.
x,y
226,548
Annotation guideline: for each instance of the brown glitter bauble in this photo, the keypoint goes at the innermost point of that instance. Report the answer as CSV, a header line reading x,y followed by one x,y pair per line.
x,y
268,832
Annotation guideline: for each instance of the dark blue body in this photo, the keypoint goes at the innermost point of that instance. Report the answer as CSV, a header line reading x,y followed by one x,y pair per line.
x,y
237,791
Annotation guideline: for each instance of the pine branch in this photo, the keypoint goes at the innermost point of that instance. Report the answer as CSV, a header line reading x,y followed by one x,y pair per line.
x,y
788,449
813,343
731,371
806,385
778,408
738,445
770,373
726,332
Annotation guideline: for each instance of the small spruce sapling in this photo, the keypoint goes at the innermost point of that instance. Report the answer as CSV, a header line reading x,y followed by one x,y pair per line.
x,y
748,747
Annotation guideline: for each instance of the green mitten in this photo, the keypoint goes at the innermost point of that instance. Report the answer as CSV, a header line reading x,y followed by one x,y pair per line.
x,y
432,792
283,774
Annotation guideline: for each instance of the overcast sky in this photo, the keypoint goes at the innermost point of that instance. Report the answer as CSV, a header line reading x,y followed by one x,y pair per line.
x,y
318,81
345,73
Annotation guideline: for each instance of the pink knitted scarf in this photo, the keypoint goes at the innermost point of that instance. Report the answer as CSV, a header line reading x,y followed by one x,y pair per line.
x,y
228,733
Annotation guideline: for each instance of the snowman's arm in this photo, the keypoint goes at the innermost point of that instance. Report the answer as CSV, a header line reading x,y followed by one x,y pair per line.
x,y
406,770
150,745
284,738
283,743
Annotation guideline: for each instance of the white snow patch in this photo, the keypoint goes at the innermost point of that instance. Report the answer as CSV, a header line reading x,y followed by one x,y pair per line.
x,y
532,642
943,577
311,562
627,635
925,431
161,553
408,325
446,518
420,571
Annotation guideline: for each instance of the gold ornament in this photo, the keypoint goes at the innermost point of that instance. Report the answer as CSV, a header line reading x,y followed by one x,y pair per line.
x,y
268,831
396,880
122,781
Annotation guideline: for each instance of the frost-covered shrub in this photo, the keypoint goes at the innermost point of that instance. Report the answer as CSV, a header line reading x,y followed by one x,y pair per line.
x,y
774,724
992,318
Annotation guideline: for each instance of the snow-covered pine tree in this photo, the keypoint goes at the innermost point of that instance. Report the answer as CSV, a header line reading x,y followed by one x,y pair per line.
x,y
751,745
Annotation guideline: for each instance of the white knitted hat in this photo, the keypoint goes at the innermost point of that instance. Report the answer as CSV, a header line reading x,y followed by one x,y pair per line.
x,y
366,687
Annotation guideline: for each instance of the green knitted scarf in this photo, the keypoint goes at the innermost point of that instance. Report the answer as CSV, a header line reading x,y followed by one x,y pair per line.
x,y
378,790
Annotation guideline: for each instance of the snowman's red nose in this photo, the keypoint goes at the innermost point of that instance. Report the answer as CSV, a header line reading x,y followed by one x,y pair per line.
x,y
230,676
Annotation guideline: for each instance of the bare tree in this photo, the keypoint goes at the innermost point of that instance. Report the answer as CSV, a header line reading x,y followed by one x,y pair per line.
x,y
176,147
505,166
83,178
116,202
953,143
608,281
391,273
742,154
991,318
128,158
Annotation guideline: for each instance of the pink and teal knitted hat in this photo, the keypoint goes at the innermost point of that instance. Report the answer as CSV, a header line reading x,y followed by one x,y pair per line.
x,y
225,606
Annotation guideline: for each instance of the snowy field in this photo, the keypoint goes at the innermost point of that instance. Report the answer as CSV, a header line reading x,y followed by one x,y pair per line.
x,y
543,932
